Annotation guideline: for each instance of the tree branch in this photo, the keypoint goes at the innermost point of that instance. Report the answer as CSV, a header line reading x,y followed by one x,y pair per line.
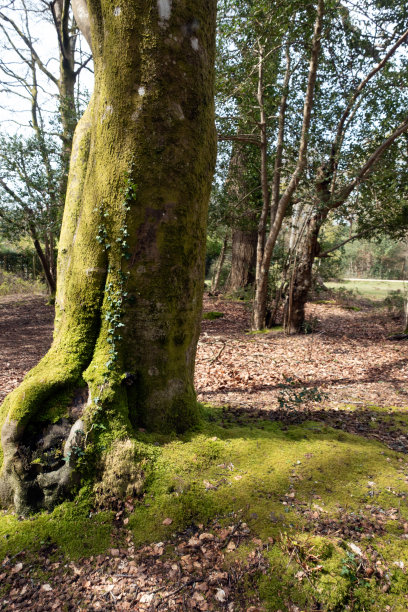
x,y
358,91
338,246
30,46
365,169
247,138
307,111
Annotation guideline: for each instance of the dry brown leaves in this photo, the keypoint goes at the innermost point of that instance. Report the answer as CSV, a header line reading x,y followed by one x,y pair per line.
x,y
349,357
186,573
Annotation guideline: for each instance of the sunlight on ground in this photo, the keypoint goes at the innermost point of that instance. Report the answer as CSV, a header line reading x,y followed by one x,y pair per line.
x,y
328,509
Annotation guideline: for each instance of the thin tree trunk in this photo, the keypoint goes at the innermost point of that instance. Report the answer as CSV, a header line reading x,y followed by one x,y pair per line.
x,y
45,266
216,278
66,83
264,255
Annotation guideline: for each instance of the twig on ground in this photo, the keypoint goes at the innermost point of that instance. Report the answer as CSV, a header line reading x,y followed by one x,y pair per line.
x,y
231,535
219,353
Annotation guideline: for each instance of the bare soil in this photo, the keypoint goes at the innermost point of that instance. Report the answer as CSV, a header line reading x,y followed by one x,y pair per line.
x,y
25,335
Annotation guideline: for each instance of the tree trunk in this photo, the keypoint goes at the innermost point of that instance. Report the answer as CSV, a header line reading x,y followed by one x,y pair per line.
x,y
242,188
243,259
216,278
132,247
266,244
66,83
301,280
50,279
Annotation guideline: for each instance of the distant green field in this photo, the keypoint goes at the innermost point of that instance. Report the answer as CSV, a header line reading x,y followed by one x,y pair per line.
x,y
373,289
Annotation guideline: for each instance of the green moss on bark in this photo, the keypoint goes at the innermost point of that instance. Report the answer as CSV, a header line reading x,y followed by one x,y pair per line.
x,y
141,167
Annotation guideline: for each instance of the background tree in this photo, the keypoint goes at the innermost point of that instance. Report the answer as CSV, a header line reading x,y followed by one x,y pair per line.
x,y
270,36
29,81
349,120
357,146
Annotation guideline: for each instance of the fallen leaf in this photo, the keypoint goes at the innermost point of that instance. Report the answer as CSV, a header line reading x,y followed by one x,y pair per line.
x,y
220,595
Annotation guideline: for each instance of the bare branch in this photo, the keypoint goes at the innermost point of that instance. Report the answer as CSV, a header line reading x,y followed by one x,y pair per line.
x,y
338,246
247,138
30,46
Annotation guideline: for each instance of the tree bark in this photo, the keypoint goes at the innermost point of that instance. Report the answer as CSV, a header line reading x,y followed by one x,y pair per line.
x,y
220,263
243,259
132,246
242,187
301,279
66,82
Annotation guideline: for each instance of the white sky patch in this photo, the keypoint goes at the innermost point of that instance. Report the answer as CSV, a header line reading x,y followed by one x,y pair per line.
x,y
141,91
194,43
164,8
117,11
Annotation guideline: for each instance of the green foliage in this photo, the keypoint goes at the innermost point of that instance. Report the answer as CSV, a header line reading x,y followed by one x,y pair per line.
x,y
395,300
214,245
384,258
292,396
31,169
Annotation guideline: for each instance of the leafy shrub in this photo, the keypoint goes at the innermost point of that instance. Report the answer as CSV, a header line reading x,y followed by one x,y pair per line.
x,y
291,397
395,301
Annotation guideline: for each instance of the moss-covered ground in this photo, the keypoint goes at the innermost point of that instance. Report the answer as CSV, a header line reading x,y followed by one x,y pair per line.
x,y
328,509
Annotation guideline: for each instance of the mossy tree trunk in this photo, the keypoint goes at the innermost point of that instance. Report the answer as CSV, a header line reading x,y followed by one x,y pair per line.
x,y
131,253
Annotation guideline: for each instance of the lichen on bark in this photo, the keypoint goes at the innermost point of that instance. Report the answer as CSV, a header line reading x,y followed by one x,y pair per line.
x,y
131,252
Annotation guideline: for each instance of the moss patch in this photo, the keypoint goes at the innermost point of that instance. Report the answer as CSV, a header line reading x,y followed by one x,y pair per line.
x,y
212,315
308,493
71,526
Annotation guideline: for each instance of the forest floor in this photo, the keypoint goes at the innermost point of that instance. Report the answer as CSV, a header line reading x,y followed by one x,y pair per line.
x,y
294,496
349,357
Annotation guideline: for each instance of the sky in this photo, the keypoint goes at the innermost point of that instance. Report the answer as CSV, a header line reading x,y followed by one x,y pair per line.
x,y
15,114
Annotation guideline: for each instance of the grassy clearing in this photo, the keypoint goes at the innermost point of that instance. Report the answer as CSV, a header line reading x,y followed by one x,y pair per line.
x,y
11,284
370,289
298,488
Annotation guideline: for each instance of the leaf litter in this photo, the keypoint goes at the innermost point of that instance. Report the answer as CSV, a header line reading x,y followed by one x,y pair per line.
x,y
349,360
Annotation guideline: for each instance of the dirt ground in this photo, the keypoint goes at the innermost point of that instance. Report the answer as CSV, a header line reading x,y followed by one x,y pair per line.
x,y
25,336
348,358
